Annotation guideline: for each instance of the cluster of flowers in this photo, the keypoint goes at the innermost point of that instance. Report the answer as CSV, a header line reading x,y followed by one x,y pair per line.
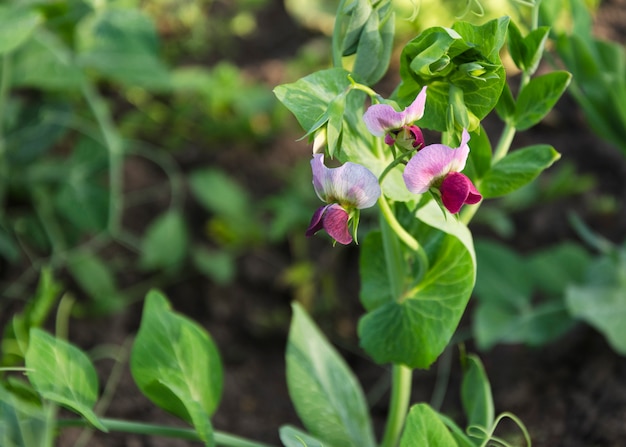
x,y
352,187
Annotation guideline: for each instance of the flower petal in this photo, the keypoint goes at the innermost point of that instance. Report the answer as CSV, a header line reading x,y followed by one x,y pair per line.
x,y
351,184
335,221
433,162
456,190
416,110
382,118
316,221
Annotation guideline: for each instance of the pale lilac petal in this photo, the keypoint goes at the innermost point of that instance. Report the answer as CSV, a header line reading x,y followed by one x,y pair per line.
x,y
416,110
350,184
319,174
381,118
427,165
461,153
335,221
433,162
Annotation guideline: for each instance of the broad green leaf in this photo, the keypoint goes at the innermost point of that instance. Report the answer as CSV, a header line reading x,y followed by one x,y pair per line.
x,y
416,328
424,428
325,393
476,395
334,128
24,424
16,26
459,435
601,299
506,311
122,45
604,308
505,108
308,98
538,97
517,169
9,249
555,268
85,204
375,284
45,62
166,242
292,437
176,365
63,374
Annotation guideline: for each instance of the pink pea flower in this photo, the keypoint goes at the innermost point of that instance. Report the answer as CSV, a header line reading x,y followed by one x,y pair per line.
x,y
397,127
438,166
346,190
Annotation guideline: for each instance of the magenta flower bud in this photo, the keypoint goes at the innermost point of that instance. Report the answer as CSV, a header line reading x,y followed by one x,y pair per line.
x,y
438,166
397,127
346,189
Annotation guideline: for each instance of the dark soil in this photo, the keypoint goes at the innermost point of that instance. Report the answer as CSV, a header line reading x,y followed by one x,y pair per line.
x,y
569,393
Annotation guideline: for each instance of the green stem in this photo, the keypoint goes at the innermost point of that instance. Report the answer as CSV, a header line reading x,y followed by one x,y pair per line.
x,y
114,146
221,439
400,397
392,165
391,220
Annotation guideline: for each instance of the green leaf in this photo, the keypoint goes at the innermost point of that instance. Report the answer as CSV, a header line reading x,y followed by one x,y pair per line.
x,y
375,285
517,169
416,328
63,374
217,265
292,437
505,288
166,242
122,45
462,70
325,393
375,45
15,338
424,428
24,424
309,98
220,194
538,97
527,51
176,365
45,62
96,278
16,26
476,395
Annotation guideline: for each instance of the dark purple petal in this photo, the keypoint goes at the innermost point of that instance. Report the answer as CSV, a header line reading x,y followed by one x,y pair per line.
x,y
316,221
335,221
456,190
418,137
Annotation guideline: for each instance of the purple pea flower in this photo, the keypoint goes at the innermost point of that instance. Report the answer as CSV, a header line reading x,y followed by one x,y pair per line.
x,y
346,190
439,166
397,127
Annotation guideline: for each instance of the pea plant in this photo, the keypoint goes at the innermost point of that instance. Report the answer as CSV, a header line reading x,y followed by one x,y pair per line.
x,y
372,161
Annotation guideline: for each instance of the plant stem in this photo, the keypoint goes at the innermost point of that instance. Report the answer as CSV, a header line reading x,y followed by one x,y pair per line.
x,y
390,218
114,146
221,439
399,404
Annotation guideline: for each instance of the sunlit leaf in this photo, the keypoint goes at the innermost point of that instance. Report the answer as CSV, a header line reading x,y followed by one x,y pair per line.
x,y
176,364
325,393
62,373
